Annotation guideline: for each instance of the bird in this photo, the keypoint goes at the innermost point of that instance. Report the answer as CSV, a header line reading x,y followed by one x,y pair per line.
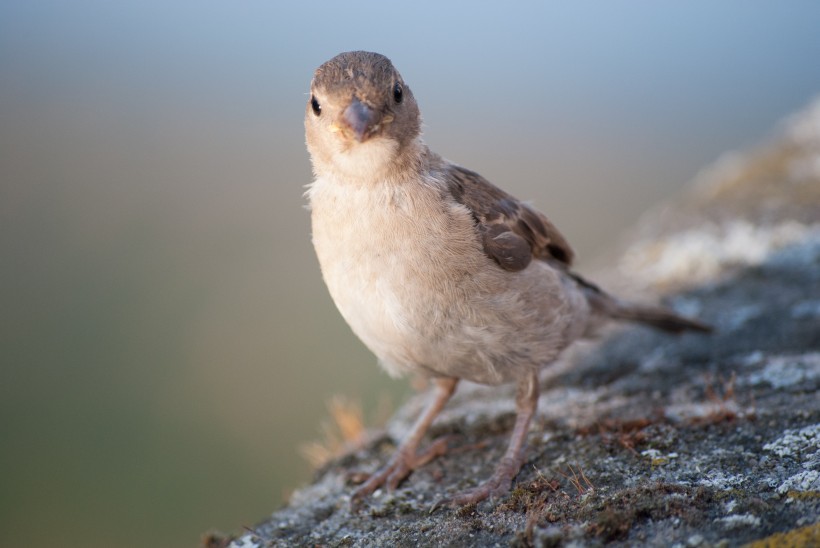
x,y
438,271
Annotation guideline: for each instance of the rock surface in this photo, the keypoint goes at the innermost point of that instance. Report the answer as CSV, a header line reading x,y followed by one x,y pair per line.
x,y
641,438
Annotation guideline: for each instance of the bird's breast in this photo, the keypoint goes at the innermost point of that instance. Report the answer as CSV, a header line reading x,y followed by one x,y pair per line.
x,y
394,258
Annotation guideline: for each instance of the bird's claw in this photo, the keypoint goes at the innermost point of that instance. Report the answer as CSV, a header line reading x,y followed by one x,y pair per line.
x,y
400,465
497,485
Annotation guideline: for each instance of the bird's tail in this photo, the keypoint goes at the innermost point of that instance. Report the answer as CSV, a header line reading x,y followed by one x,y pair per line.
x,y
653,316
657,317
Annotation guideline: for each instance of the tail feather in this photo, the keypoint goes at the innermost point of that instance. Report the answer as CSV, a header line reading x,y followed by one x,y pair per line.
x,y
657,317
654,316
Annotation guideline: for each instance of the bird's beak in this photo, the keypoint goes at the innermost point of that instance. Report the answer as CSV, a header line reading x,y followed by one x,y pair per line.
x,y
360,119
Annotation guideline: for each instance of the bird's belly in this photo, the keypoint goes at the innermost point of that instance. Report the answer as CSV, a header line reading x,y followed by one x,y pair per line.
x,y
379,313
383,260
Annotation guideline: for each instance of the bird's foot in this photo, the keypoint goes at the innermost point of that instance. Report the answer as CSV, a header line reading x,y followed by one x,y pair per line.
x,y
400,465
496,486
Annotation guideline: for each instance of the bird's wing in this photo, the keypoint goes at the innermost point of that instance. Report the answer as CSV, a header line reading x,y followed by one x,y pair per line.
x,y
512,232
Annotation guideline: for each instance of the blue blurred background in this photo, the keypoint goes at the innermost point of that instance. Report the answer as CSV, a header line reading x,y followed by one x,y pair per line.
x,y
167,342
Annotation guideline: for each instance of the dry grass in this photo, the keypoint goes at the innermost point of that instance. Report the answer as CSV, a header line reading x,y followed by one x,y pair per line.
x,y
578,479
343,432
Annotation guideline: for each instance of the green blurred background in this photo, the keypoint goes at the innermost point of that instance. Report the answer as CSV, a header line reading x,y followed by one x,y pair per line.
x,y
167,342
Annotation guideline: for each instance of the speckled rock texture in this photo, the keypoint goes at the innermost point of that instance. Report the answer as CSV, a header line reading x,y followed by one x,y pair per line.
x,y
641,438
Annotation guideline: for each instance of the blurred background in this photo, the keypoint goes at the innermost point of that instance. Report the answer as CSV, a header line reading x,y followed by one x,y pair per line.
x,y
166,340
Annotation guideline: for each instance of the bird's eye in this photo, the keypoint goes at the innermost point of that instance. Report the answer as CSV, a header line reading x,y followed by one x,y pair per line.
x,y
398,93
314,104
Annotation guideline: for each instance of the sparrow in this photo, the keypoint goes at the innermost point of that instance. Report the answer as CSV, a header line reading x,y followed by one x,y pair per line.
x,y
438,271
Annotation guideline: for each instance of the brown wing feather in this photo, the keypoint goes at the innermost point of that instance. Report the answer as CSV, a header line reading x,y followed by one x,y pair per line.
x,y
512,232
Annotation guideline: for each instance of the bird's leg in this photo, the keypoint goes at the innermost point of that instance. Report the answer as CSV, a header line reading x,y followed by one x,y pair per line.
x,y
498,484
407,458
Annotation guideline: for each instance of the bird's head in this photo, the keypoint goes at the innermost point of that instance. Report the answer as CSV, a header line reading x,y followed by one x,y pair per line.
x,y
360,116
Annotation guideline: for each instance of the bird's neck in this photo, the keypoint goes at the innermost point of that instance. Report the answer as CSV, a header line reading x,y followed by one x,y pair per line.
x,y
377,163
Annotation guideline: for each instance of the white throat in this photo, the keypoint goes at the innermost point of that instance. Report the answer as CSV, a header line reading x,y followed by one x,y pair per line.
x,y
368,161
